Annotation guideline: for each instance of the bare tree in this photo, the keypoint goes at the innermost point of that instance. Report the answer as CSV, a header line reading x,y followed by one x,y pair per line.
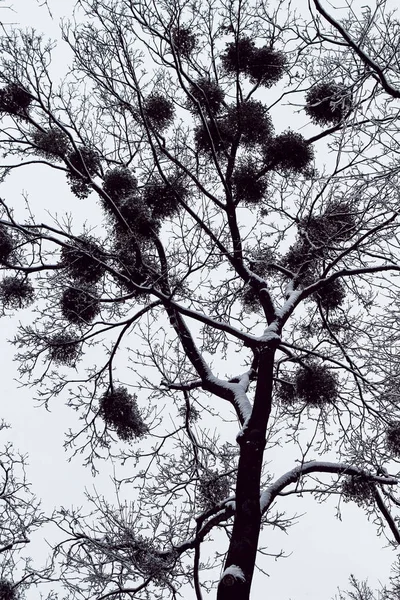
x,y
254,287
20,517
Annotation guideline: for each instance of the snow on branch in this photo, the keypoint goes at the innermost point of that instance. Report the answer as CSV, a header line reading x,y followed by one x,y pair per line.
x,y
268,496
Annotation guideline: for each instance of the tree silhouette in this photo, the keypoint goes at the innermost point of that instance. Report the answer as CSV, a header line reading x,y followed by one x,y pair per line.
x,y
244,250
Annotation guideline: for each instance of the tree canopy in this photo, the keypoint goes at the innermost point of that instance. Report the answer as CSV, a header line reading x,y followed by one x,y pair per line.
x,y
235,291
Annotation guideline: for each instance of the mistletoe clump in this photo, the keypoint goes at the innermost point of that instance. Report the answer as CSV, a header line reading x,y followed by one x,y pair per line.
x,y
331,295
147,560
184,40
119,411
336,224
213,488
359,489
159,111
238,56
247,185
52,144
289,152
250,120
119,183
247,123
138,216
250,299
163,197
82,260
393,438
131,271
208,94
16,292
15,100
64,348
315,384
6,245
266,66
80,304
312,384
8,590
301,260
327,103
86,161
215,135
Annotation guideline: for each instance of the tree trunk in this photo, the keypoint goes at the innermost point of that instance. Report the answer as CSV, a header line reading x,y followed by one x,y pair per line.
x,y
236,581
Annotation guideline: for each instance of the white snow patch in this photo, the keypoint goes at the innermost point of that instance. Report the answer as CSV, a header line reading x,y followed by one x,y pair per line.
x,y
235,571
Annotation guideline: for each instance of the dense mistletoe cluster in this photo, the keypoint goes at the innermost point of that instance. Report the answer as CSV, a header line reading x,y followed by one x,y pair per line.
x,y
80,304
159,110
6,245
336,224
184,41
289,152
64,348
163,197
247,124
8,590
393,438
359,489
248,187
120,183
119,411
212,489
51,144
331,295
328,103
312,383
208,94
82,260
264,66
14,100
16,292
86,161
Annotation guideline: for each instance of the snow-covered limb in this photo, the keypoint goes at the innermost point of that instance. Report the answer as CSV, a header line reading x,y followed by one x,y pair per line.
x,y
268,496
367,60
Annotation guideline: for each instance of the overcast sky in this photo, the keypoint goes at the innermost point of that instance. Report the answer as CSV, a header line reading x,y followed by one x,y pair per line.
x,y
323,550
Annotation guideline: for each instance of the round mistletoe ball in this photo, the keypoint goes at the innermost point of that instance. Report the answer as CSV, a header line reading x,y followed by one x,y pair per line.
x,y
6,245
82,260
119,183
289,152
52,144
393,438
208,94
248,187
332,295
184,40
119,411
328,103
8,590
159,110
86,161
64,348
212,489
238,56
163,197
250,120
15,100
316,385
215,136
359,489
266,66
16,292
80,304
